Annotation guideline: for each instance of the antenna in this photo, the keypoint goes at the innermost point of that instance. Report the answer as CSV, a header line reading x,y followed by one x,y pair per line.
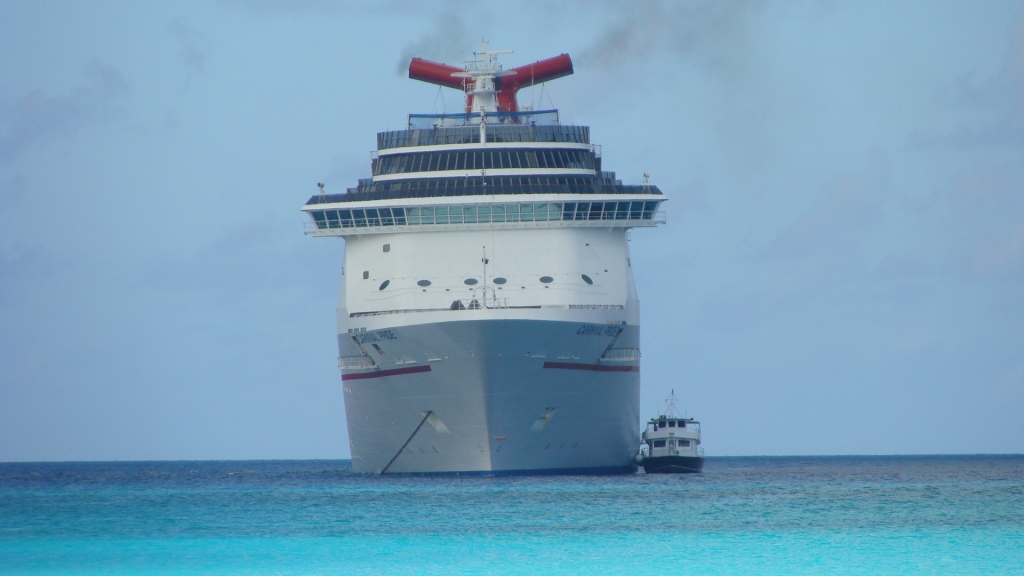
x,y
321,185
670,409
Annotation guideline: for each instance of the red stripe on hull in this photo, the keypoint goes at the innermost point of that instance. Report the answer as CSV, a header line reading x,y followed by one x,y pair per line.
x,y
593,367
383,373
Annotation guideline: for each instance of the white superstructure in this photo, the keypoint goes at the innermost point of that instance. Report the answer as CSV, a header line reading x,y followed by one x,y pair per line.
x,y
488,321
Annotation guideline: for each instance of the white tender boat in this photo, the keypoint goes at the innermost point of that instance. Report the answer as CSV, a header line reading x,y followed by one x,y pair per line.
x,y
672,443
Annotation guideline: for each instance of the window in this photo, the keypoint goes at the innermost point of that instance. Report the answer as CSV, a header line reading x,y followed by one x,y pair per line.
x,y
684,443
671,423
441,214
662,423
366,274
423,283
384,284
499,280
547,279
387,247
359,218
470,281
332,219
399,216
658,444
372,217
586,279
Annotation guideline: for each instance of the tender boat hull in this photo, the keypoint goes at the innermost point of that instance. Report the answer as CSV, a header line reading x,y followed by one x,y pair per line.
x,y
673,464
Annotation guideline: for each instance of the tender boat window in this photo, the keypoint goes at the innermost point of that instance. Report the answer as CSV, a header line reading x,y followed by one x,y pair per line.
x,y
423,283
500,280
384,284
470,281
587,279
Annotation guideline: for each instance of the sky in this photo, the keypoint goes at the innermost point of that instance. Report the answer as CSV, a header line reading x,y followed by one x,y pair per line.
x,y
842,271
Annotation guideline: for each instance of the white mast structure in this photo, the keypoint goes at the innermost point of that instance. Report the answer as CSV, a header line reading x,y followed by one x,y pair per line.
x,y
670,410
482,70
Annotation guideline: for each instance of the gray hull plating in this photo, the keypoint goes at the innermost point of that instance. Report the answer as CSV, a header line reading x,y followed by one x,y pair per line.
x,y
507,396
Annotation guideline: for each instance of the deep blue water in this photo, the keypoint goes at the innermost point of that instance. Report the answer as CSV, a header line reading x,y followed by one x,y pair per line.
x,y
838,515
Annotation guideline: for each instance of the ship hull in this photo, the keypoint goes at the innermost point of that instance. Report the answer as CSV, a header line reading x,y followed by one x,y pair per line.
x,y
499,397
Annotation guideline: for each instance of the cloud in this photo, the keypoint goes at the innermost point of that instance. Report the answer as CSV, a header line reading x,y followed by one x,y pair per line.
x,y
999,99
265,255
446,42
194,45
37,115
983,227
832,244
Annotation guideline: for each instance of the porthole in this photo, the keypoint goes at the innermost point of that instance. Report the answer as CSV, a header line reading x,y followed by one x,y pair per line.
x,y
547,279
586,279
384,284
470,281
423,283
500,280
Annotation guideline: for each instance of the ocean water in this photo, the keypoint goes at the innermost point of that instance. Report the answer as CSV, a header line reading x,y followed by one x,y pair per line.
x,y
838,515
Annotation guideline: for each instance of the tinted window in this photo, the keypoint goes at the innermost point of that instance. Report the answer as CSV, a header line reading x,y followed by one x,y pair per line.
x,y
500,280
423,283
470,281
547,279
586,279
671,423
659,443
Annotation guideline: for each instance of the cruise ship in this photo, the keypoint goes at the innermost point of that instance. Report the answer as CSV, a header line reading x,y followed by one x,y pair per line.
x,y
488,320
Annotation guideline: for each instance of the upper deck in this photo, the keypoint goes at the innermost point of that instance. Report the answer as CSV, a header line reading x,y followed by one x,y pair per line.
x,y
542,126
473,169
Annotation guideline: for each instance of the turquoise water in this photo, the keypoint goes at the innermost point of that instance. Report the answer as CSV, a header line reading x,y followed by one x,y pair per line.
x,y
849,515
